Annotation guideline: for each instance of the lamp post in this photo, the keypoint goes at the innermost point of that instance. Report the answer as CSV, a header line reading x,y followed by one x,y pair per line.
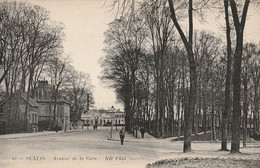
x,y
64,121
116,123
112,123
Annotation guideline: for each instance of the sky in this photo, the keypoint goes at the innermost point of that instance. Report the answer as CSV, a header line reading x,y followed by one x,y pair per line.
x,y
85,22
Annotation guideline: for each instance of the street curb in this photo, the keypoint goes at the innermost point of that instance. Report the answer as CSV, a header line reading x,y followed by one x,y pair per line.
x,y
35,135
18,137
138,140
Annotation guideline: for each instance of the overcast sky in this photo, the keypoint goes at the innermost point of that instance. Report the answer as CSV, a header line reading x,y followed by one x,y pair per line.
x,y
86,20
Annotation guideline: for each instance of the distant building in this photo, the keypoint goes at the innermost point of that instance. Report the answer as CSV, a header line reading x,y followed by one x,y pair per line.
x,y
103,117
12,111
43,96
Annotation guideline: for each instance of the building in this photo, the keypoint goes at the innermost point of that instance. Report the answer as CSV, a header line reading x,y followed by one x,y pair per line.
x,y
103,117
43,96
12,112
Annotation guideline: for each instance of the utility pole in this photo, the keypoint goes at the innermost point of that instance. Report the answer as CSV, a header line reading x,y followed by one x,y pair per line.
x,y
112,124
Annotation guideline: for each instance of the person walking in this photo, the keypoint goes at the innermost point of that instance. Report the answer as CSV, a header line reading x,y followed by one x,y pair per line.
x,y
122,135
142,130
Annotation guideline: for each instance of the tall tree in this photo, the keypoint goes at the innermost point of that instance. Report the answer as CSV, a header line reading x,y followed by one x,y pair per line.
x,y
160,34
58,70
124,51
226,111
248,54
188,115
79,94
239,26
28,36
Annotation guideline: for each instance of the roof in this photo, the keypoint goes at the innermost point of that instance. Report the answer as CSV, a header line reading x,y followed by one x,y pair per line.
x,y
60,100
23,95
31,101
52,101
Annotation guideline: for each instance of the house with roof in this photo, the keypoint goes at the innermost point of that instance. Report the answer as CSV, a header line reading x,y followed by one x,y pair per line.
x,y
43,96
12,113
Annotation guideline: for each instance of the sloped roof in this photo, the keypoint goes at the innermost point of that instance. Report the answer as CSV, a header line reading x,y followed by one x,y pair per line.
x,y
52,101
31,101
60,100
24,97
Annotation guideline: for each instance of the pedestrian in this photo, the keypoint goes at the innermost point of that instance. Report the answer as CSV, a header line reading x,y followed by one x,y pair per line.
x,y
142,130
56,128
122,135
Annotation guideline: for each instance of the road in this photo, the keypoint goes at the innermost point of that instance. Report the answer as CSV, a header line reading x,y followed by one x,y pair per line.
x,y
90,148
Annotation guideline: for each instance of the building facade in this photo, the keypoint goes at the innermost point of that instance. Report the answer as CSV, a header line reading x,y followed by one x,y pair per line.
x,y
43,96
103,117
12,112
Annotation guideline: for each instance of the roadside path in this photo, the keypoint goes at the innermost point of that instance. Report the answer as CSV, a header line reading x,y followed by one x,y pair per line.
x,y
34,134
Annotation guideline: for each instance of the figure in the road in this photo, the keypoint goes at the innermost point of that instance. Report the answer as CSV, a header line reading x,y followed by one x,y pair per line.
x,y
142,130
122,135
96,125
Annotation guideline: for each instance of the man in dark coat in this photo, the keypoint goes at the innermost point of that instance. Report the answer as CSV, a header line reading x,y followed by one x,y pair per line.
x,y
122,135
142,130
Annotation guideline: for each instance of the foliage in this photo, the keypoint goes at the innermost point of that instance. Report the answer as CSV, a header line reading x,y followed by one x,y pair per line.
x,y
7,127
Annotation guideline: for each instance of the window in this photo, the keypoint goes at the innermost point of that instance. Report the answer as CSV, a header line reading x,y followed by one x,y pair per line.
x,y
34,118
40,94
1,111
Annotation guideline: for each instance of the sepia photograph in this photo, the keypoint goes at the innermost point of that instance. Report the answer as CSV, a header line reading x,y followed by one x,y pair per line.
x,y
129,83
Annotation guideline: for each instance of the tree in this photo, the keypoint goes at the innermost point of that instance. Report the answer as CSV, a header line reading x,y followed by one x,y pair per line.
x,y
124,51
28,37
254,73
239,27
193,73
58,70
158,22
189,49
79,94
249,52
226,112
206,51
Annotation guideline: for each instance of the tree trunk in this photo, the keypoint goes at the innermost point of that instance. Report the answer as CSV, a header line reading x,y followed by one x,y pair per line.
x,y
27,106
235,144
188,114
55,105
205,108
225,114
127,115
256,104
213,126
245,110
178,111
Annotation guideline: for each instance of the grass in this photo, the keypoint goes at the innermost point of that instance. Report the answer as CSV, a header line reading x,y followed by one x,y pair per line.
x,y
205,163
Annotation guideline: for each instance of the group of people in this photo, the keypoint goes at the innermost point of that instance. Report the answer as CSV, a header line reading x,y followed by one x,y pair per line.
x,y
122,134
